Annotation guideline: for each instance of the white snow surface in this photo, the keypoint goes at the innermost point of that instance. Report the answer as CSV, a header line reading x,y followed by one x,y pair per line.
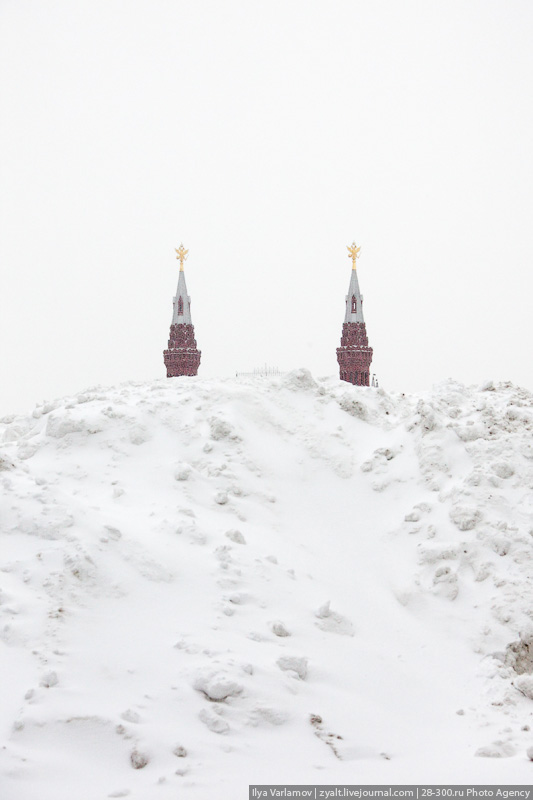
x,y
211,583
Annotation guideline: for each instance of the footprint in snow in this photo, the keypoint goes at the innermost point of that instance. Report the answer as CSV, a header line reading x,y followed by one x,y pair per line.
x,y
192,533
256,637
496,750
272,716
223,553
337,744
189,648
130,716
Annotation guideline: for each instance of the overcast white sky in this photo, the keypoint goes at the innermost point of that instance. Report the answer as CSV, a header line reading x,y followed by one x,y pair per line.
x,y
266,136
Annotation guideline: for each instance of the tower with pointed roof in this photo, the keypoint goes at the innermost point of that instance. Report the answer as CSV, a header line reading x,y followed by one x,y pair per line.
x,y
354,355
182,356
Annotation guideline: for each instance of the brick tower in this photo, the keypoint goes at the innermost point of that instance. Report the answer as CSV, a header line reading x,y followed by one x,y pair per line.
x,y
182,356
354,355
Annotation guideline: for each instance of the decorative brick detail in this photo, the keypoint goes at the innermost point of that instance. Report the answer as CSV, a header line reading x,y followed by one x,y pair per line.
x,y
354,355
182,356
354,335
182,336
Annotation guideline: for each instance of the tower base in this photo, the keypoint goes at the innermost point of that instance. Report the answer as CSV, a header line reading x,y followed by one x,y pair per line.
x,y
182,356
354,355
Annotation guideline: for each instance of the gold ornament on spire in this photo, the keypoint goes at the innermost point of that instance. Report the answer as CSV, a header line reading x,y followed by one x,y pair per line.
x,y
182,255
353,253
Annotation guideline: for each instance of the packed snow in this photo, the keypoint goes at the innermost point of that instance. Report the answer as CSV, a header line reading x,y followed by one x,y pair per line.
x,y
211,583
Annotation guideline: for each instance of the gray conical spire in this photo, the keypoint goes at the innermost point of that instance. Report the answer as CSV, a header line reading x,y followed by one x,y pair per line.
x,y
182,310
354,301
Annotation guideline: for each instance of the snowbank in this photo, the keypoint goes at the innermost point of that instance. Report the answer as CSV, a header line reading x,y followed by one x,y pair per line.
x,y
206,584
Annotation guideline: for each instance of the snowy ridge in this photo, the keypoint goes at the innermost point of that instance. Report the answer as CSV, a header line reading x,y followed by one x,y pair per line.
x,y
210,583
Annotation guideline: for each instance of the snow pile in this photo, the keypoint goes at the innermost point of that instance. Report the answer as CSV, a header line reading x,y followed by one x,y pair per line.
x,y
206,584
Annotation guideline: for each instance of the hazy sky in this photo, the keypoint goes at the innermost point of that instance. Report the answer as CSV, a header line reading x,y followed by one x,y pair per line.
x,y
266,136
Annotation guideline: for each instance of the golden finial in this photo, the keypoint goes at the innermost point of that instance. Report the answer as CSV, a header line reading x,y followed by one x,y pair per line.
x,y
353,253
182,255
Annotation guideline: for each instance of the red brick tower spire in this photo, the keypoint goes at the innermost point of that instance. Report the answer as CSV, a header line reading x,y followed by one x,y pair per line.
x,y
354,355
182,356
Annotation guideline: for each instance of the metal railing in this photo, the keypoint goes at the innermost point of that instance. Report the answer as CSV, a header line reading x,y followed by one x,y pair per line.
x,y
263,372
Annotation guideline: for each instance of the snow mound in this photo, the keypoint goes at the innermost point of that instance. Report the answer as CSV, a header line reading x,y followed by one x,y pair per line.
x,y
209,583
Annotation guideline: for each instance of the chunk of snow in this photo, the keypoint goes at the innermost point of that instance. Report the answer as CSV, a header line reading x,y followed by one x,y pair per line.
x,y
221,429
213,722
524,684
503,469
60,425
296,664
299,379
138,760
236,536
323,611
217,686
49,679
279,629
464,517
182,472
